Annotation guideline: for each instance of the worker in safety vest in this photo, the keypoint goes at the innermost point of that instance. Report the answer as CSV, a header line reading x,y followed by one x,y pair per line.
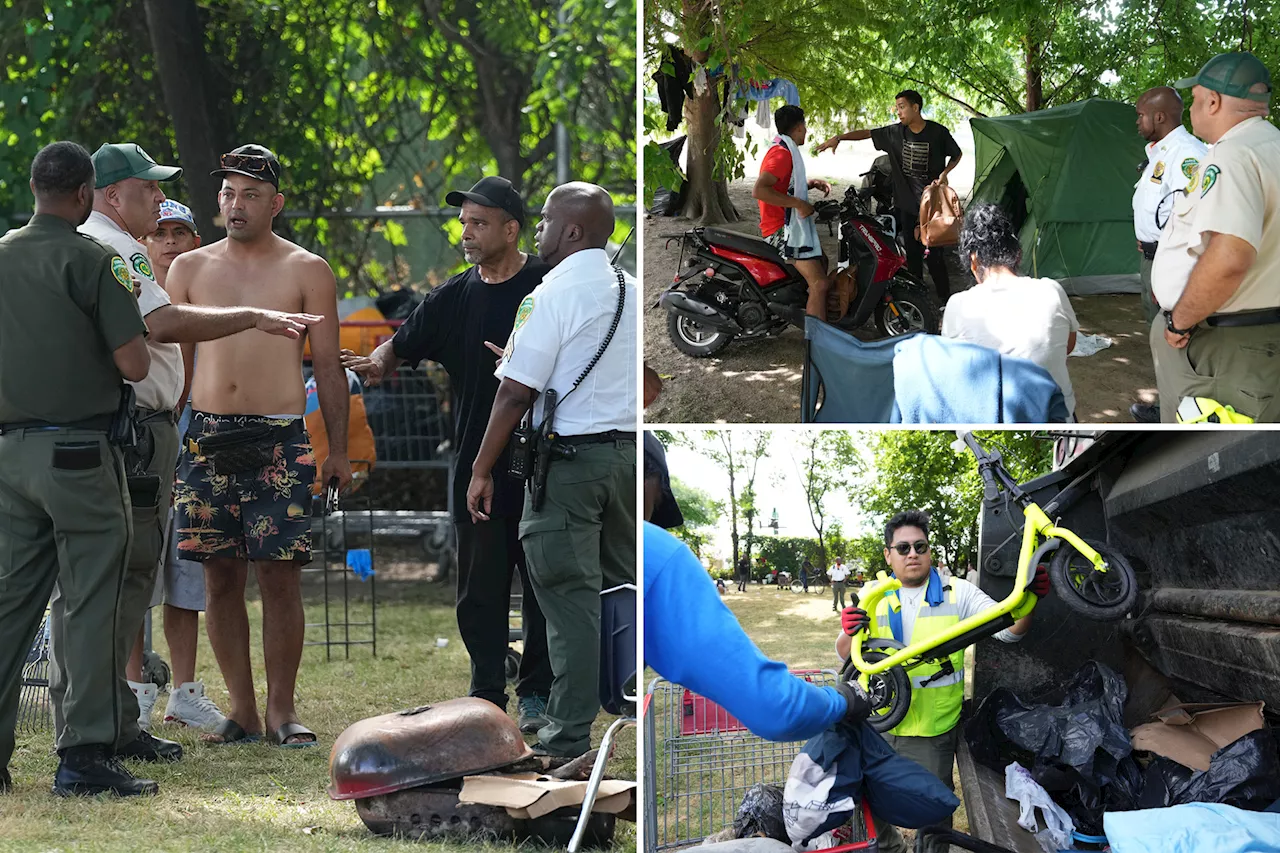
x,y
924,607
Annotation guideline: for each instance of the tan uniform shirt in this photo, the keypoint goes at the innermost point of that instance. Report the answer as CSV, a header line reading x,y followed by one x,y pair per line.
x,y
163,385
1236,192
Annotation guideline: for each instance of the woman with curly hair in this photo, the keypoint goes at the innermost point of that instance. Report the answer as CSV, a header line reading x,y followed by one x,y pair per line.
x,y
1024,317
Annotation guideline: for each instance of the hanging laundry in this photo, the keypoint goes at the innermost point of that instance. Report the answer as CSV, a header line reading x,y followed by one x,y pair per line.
x,y
778,87
674,88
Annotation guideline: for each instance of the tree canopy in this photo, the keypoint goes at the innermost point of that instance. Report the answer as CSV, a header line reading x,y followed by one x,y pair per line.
x,y
380,102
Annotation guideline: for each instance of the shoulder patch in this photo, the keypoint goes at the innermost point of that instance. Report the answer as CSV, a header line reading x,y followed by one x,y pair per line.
x,y
1210,178
523,312
141,264
1189,167
121,272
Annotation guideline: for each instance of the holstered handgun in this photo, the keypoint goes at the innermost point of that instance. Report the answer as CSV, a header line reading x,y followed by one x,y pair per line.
x,y
124,423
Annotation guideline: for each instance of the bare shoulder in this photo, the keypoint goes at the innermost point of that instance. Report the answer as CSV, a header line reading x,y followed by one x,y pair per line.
x,y
197,259
312,268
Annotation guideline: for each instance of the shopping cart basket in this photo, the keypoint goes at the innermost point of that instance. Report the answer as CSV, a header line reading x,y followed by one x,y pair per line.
x,y
700,761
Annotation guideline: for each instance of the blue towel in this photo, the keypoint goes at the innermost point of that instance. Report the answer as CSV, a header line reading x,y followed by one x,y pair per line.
x,y
1193,828
778,87
943,381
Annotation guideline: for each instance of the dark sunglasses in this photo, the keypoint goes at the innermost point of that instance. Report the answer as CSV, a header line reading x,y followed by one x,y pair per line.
x,y
248,162
904,548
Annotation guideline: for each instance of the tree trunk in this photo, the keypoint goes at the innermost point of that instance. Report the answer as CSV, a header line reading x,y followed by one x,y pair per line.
x,y
706,199
1035,74
177,41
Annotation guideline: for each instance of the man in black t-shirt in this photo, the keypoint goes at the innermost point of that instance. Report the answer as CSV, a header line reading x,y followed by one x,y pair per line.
x,y
451,327
920,153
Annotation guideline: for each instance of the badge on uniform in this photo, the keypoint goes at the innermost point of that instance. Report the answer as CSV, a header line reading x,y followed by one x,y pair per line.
x,y
523,312
141,264
121,272
1189,167
1157,174
1210,178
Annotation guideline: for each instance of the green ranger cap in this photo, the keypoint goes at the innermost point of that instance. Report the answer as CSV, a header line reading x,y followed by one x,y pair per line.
x,y
116,161
1232,74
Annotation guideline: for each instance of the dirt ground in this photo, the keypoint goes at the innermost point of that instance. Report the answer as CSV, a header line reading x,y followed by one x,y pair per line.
x,y
759,381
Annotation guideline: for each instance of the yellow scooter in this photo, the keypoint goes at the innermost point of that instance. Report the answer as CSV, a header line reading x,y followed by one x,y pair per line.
x,y
1090,577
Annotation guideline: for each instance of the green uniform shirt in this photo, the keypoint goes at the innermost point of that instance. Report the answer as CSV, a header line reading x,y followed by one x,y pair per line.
x,y
66,304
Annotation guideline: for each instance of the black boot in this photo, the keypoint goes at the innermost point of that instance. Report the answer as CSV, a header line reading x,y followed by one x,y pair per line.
x,y
91,769
147,747
1145,413
6,781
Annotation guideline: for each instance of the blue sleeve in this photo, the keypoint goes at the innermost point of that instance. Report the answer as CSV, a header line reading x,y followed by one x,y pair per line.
x,y
692,639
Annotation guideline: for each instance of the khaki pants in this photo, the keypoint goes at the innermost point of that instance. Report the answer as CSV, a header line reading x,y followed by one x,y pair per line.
x,y
936,754
1237,366
581,542
70,525
145,554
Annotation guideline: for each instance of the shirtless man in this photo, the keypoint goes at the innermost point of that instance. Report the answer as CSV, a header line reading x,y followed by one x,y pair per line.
x,y
262,515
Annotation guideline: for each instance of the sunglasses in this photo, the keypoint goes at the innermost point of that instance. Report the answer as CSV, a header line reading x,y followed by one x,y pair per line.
x,y
904,548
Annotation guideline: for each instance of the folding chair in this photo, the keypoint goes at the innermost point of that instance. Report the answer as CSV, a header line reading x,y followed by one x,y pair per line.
x,y
854,378
617,676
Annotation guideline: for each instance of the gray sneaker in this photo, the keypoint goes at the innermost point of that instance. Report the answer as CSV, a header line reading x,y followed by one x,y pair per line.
x,y
533,713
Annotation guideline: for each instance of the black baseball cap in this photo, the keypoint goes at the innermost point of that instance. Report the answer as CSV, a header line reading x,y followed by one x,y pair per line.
x,y
252,161
667,513
492,191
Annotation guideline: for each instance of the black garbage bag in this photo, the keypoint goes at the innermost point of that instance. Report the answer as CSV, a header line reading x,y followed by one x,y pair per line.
x,y
1245,773
666,201
1077,749
760,814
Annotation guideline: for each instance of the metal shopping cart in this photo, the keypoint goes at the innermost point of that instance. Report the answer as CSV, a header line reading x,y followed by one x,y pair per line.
x,y
700,761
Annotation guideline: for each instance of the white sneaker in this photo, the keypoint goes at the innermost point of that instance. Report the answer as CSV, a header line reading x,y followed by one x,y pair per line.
x,y
188,706
146,695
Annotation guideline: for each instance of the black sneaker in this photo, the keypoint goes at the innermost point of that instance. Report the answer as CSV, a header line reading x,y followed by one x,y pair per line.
x,y
1145,413
148,747
88,770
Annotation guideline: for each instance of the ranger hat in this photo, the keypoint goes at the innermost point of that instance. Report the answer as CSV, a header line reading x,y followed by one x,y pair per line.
x,y
118,161
667,513
492,191
1234,75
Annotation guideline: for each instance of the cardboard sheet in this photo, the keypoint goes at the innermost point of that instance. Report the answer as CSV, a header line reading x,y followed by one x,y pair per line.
x,y
1190,734
528,795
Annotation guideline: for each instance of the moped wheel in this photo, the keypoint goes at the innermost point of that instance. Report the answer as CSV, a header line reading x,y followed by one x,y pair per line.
x,y
917,310
693,338
890,691
1104,596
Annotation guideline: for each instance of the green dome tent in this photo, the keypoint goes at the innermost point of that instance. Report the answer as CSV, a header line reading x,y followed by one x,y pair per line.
x,y
1066,175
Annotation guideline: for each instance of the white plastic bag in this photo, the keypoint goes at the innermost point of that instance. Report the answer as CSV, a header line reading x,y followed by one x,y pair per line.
x,y
1018,785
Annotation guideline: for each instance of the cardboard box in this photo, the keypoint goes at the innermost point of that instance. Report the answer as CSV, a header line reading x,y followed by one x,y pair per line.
x,y
1190,734
528,795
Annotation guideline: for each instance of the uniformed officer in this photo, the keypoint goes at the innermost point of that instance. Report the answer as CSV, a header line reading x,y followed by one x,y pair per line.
x,y
70,331
1217,271
582,539
1172,160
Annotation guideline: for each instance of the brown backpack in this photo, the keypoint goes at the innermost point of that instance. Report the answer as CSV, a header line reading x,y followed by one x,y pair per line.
x,y
941,216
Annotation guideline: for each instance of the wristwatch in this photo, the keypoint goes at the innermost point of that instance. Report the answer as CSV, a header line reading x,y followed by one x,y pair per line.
x,y
1168,324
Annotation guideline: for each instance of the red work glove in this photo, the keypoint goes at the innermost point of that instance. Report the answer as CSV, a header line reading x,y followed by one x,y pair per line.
x,y
1040,583
854,619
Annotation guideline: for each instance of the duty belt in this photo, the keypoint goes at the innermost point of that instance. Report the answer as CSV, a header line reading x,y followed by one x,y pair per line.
x,y
1149,249
1260,317
101,423
596,437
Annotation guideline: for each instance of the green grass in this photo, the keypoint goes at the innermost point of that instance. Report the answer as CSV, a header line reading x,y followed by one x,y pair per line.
x,y
259,797
799,630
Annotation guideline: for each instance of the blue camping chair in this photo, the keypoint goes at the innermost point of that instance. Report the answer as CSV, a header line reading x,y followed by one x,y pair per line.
x,y
855,377
618,694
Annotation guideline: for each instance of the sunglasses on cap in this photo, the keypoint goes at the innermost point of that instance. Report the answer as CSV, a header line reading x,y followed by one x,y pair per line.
x,y
247,162
904,548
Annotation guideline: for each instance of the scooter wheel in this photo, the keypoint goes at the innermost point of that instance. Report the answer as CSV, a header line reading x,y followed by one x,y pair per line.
x,y
917,310
694,339
890,691
1104,596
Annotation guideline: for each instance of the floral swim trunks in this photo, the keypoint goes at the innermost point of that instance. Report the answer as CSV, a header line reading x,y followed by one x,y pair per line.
x,y
260,515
